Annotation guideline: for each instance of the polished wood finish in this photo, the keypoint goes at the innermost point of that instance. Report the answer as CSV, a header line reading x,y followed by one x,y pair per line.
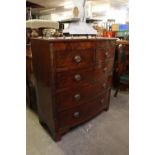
x,y
73,79
79,113
122,42
30,83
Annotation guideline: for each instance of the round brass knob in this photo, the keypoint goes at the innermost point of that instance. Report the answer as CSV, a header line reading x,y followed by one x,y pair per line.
x,y
77,58
103,85
102,101
76,114
77,97
77,77
105,69
107,54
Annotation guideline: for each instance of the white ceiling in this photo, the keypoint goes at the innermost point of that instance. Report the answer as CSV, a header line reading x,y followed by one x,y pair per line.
x,y
58,6
58,3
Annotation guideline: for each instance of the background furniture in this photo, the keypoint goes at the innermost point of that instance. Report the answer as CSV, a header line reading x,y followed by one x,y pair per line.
x,y
73,79
121,69
34,28
30,85
38,23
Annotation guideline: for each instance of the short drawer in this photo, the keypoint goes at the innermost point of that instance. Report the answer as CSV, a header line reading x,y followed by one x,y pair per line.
x,y
77,96
72,45
106,44
103,54
74,58
106,66
82,112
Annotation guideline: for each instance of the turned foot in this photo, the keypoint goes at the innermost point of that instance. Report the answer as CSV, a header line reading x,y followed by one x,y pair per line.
x,y
106,109
57,137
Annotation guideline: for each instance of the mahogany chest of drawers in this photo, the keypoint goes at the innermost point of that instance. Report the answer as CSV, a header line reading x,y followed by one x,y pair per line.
x,y
73,79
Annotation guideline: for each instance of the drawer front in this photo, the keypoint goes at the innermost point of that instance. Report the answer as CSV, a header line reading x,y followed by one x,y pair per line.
x,y
103,54
82,112
77,96
109,82
106,67
78,78
105,50
78,45
106,44
74,55
74,58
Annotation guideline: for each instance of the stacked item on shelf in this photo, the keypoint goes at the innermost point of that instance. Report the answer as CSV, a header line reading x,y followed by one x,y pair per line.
x,y
108,34
117,30
121,30
108,31
38,27
37,23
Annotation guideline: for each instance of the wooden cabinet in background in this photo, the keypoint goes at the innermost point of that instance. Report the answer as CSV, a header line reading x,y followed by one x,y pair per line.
x,y
121,63
30,85
73,80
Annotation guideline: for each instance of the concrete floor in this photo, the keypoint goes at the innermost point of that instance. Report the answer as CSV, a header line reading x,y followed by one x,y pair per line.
x,y
106,134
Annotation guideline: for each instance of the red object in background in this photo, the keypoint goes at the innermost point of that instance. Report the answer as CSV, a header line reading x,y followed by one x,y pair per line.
x,y
109,34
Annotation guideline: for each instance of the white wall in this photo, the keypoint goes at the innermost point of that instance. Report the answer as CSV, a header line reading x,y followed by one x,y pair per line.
x,y
46,17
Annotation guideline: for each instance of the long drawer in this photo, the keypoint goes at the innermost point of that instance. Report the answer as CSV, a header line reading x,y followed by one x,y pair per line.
x,y
82,112
74,58
77,77
75,96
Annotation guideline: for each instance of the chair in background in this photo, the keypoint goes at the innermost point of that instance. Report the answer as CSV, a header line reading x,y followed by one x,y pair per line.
x,y
122,67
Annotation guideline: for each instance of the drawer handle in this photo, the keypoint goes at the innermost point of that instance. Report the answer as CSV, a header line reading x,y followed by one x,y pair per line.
x,y
102,101
77,77
105,69
77,58
103,85
77,97
76,114
106,54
